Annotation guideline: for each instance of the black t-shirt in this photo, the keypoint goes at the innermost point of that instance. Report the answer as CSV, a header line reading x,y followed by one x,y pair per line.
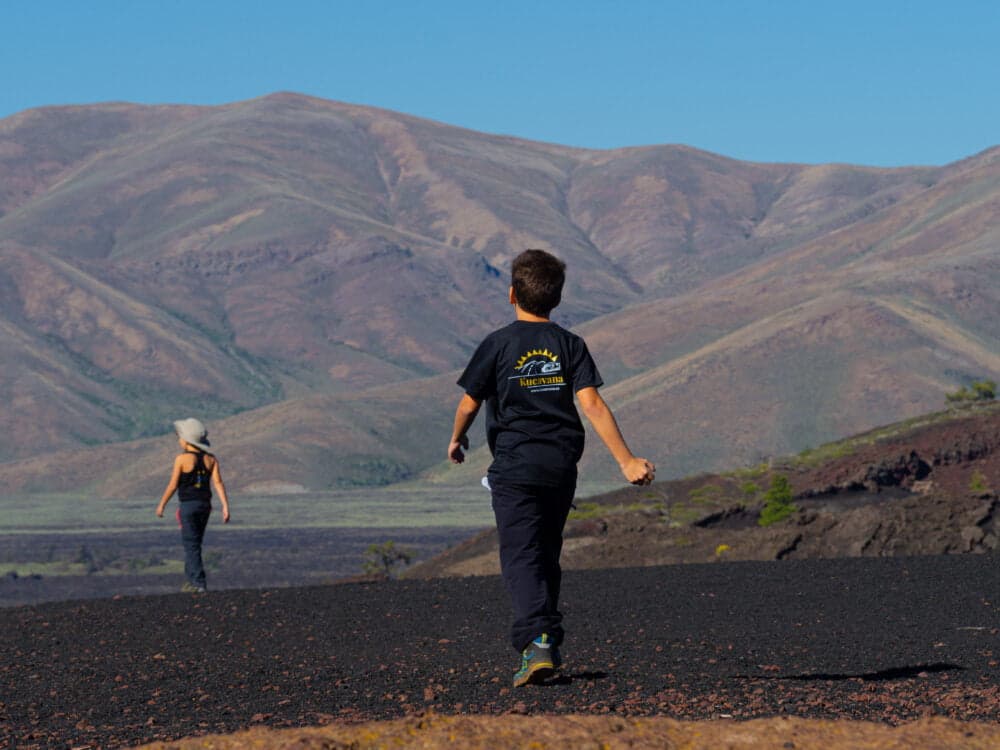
x,y
527,374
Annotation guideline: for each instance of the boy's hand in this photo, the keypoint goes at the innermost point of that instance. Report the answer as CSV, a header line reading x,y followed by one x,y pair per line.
x,y
455,454
639,471
159,512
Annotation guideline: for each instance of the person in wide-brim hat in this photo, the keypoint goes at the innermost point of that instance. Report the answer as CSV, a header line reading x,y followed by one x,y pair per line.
x,y
196,470
193,432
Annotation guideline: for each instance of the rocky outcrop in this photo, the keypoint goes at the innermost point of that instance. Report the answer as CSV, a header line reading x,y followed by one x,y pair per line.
x,y
925,491
894,473
909,526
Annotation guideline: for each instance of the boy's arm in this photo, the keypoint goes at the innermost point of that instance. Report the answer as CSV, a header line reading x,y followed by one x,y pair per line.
x,y
220,488
171,487
465,415
598,413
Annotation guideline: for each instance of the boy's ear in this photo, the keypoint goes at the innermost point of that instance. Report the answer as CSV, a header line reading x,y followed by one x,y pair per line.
x,y
511,296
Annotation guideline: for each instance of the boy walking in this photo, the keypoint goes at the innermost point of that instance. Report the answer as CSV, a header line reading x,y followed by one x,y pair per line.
x,y
527,374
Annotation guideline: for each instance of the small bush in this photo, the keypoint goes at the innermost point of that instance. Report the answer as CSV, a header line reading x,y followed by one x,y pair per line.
x,y
383,558
778,503
977,484
981,390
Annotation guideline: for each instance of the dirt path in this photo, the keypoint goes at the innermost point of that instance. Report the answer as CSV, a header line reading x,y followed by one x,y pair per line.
x,y
610,733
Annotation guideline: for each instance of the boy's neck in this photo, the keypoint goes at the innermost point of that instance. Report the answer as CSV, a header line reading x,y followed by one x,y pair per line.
x,y
527,317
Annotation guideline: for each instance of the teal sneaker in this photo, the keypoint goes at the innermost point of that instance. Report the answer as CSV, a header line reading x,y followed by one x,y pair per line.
x,y
537,663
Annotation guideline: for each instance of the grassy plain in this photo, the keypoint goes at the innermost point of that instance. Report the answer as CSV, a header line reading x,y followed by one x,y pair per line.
x,y
63,546
411,505
377,507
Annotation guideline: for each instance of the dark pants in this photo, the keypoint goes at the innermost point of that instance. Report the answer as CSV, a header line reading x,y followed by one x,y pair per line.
x,y
530,521
193,516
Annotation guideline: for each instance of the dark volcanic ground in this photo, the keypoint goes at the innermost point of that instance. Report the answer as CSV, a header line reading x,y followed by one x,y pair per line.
x,y
885,639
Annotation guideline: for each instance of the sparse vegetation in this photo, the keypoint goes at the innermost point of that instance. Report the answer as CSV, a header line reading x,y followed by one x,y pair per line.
x,y
107,561
384,558
706,494
682,515
151,565
778,503
372,472
981,390
846,447
751,472
977,484
829,451
586,511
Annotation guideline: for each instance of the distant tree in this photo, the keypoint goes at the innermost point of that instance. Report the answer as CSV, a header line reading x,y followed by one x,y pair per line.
x,y
981,390
778,503
384,558
985,390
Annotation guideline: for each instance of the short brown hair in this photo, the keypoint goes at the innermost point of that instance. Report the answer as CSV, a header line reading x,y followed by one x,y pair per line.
x,y
537,278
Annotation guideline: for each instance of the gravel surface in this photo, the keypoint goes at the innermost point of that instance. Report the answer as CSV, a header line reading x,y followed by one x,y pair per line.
x,y
888,639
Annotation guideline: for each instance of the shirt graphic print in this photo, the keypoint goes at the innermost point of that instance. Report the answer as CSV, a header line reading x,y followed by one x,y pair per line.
x,y
539,370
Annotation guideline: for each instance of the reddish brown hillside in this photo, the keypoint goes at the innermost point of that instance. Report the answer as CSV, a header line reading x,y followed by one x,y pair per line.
x,y
928,486
162,261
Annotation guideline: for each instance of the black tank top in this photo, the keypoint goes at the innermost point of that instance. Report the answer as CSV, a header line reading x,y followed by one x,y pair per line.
x,y
193,486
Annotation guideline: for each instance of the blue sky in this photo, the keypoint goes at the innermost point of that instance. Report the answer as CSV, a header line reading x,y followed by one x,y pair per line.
x,y
882,83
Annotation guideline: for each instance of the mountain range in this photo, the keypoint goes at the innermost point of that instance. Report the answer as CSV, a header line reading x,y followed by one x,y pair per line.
x,y
308,277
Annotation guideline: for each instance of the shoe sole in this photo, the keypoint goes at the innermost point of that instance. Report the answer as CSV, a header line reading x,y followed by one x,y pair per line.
x,y
538,674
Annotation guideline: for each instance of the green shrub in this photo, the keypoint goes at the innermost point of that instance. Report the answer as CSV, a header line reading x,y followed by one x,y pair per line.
x,y
981,390
778,503
977,484
383,558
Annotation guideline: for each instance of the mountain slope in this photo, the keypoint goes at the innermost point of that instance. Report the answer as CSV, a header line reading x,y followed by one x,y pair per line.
x,y
252,258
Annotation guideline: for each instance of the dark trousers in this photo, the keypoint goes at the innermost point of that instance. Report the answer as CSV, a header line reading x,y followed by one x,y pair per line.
x,y
193,516
530,521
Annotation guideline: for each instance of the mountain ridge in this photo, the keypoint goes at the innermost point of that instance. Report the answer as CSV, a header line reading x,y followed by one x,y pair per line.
x,y
159,261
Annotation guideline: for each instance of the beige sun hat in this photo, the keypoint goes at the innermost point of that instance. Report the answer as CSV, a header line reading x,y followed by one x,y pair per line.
x,y
192,431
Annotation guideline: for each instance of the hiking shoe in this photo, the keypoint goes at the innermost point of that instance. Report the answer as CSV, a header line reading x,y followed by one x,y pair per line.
x,y
190,588
556,658
536,662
